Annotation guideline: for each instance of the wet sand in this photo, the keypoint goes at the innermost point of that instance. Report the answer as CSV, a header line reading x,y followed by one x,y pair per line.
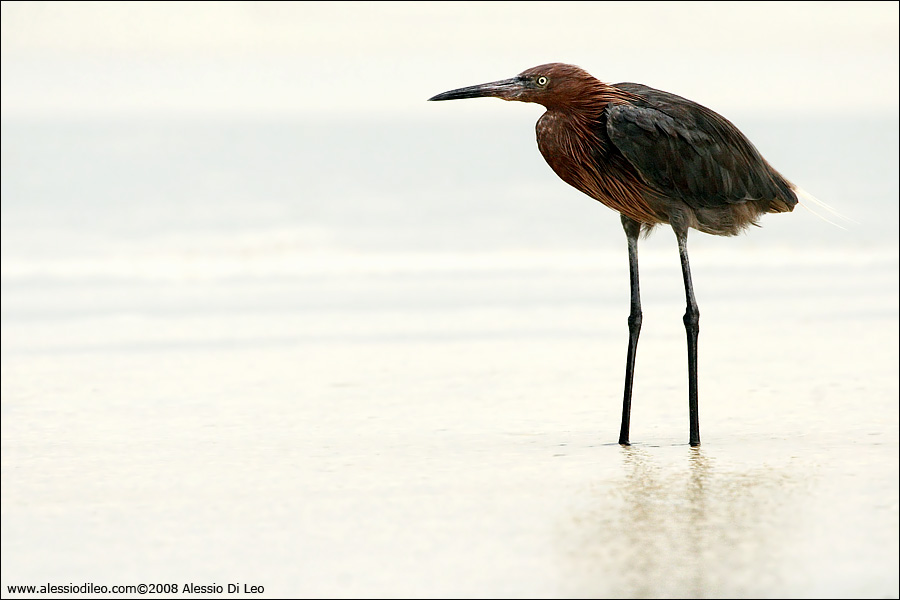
x,y
442,427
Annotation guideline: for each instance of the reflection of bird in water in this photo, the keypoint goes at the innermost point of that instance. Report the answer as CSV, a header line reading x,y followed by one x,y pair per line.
x,y
656,158
671,527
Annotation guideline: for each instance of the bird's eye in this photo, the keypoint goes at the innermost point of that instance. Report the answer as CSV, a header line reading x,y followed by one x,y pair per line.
x,y
542,81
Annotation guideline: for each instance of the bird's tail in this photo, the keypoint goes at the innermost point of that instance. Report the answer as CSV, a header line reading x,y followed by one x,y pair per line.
x,y
806,200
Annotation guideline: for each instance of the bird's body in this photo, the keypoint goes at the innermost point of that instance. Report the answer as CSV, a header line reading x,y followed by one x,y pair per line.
x,y
649,154
655,158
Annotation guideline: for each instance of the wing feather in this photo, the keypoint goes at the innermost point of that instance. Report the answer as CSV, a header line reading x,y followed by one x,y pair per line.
x,y
686,151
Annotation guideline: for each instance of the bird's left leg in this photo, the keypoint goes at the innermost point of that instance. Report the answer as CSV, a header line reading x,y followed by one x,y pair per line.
x,y
692,328
632,231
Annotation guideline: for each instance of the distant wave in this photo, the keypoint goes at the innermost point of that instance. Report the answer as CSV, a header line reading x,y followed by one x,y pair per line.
x,y
249,263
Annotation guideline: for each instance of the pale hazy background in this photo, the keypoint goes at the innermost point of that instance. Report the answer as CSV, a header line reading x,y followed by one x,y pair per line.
x,y
270,317
371,57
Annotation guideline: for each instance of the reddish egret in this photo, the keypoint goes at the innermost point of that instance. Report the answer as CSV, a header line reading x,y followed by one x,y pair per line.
x,y
655,158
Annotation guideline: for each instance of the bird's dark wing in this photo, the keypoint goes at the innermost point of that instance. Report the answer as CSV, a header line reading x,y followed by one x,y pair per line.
x,y
686,151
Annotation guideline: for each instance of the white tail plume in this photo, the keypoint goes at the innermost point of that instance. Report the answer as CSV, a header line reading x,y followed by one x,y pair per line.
x,y
810,199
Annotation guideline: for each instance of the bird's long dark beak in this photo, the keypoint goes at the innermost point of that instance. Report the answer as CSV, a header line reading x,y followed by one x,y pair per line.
x,y
507,89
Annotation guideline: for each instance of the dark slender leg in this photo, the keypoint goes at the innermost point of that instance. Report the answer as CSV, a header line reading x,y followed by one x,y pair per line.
x,y
692,327
632,230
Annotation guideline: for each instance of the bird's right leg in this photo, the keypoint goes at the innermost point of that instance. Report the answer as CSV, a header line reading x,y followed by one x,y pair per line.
x,y
692,328
632,231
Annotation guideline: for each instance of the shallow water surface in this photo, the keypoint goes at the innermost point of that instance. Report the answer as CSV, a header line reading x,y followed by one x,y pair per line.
x,y
219,370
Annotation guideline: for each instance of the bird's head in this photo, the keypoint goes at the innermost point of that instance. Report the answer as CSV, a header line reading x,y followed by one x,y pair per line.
x,y
552,85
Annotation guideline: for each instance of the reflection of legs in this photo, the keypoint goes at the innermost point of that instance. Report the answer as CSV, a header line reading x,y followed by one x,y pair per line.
x,y
692,328
632,229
